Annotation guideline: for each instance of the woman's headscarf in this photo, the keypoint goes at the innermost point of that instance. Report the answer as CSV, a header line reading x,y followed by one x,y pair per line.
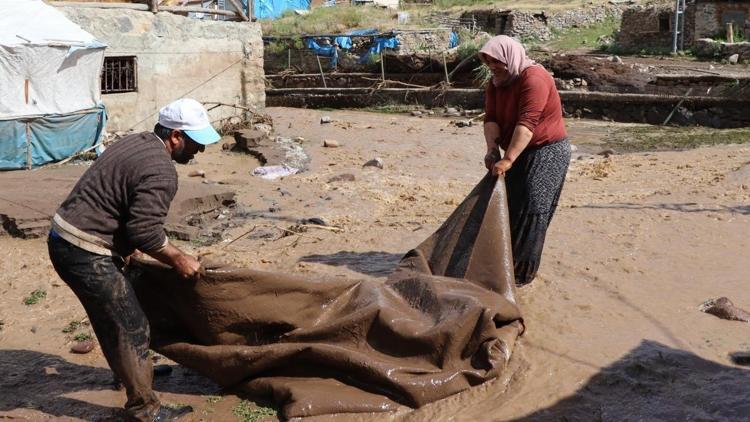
x,y
509,51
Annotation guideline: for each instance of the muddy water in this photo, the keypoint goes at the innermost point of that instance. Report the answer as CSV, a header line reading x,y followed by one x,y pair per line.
x,y
613,327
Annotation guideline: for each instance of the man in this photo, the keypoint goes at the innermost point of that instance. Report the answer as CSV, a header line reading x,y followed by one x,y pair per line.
x,y
117,207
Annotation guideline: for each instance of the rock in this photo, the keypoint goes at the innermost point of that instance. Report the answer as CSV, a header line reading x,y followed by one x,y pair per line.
x,y
228,146
162,370
197,173
274,208
573,148
451,110
34,329
740,358
344,177
330,143
325,119
724,309
298,139
416,113
82,347
249,138
375,162
463,123
734,59
313,220
616,59
262,127
430,113
607,152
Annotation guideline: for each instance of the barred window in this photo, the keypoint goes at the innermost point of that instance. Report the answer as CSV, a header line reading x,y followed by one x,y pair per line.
x,y
119,74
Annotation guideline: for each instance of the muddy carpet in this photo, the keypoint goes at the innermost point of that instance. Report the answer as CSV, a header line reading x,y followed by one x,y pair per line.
x,y
445,320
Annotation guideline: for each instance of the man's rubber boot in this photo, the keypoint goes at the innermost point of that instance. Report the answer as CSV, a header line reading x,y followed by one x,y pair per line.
x,y
171,413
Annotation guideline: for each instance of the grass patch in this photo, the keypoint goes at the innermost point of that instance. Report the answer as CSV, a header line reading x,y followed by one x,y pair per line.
x,y
35,297
665,138
392,108
248,411
330,20
72,326
589,37
83,337
214,399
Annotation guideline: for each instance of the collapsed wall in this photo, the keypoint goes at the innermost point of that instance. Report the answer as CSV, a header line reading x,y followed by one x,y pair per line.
x,y
172,56
646,27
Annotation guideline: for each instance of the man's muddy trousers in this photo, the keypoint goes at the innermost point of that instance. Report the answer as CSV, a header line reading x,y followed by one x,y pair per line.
x,y
116,316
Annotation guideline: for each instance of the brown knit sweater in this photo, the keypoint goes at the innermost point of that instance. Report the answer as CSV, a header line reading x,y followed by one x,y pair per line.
x,y
123,199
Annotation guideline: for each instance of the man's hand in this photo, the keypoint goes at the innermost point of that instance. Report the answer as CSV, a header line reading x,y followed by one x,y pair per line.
x,y
492,157
501,167
187,266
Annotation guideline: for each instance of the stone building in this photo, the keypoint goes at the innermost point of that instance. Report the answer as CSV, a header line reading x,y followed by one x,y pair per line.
x,y
653,26
153,59
646,27
535,24
708,18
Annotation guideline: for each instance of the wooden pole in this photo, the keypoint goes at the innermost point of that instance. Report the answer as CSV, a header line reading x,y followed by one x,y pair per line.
x,y
320,67
240,11
445,67
730,32
153,6
382,65
289,58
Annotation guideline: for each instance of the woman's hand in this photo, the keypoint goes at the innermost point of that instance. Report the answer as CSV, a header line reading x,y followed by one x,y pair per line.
x,y
492,157
501,167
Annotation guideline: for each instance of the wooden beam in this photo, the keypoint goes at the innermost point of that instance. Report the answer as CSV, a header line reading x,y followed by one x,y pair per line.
x,y
240,12
188,9
97,5
154,5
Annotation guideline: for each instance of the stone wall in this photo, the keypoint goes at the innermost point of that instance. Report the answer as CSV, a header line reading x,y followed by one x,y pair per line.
x,y
707,19
646,27
539,25
708,48
211,61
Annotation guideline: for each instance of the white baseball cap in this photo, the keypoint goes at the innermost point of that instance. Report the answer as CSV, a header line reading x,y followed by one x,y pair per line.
x,y
190,117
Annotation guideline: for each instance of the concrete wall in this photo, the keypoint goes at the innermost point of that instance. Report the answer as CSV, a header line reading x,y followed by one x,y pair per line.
x,y
211,61
644,27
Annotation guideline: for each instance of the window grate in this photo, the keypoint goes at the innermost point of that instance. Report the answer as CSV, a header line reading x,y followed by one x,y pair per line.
x,y
119,74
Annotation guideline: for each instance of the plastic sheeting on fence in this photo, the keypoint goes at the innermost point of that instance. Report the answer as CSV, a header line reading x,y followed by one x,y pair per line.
x,y
35,140
273,9
323,50
378,45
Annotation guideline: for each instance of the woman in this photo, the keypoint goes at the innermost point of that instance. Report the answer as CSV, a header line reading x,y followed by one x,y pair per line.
x,y
524,118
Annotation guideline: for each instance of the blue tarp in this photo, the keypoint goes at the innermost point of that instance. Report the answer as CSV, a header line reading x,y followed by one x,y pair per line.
x,y
379,44
48,138
273,9
323,50
453,40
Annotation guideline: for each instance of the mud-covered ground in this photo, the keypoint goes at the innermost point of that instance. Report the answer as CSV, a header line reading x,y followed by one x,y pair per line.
x,y
613,329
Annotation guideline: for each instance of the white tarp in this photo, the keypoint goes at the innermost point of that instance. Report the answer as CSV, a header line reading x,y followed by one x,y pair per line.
x,y
48,64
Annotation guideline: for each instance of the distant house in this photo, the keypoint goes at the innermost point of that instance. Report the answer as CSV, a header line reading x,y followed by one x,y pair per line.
x,y
153,59
50,107
653,26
